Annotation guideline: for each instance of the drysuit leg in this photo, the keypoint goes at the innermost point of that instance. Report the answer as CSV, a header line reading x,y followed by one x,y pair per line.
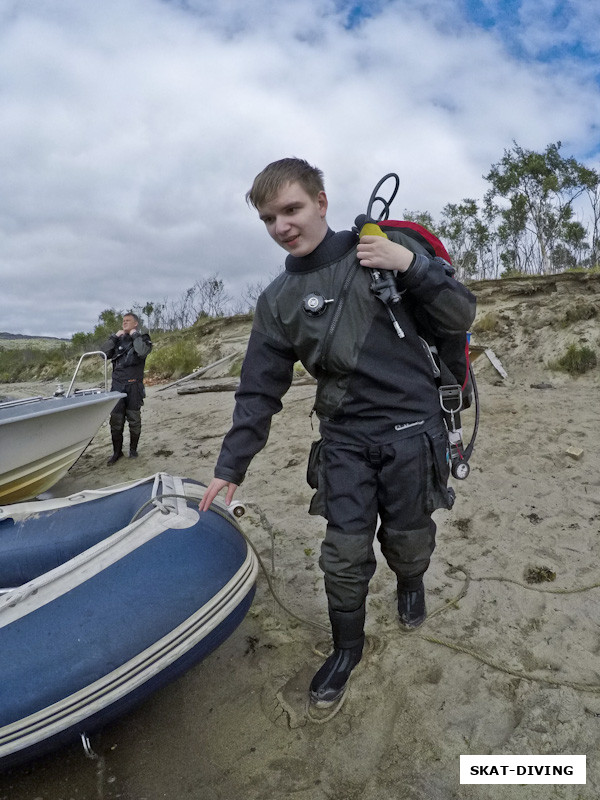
x,y
402,482
117,425
133,413
134,418
347,557
412,484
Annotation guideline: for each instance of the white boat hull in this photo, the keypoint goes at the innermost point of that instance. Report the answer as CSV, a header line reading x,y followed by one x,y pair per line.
x,y
41,439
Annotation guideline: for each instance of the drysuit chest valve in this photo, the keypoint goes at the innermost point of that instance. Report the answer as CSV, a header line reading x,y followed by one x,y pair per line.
x,y
315,304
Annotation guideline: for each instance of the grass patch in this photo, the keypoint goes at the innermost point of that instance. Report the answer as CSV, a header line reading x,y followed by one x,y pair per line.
x,y
31,342
513,272
576,360
173,360
595,270
235,370
539,575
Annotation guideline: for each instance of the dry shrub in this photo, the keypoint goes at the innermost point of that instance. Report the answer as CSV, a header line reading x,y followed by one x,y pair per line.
x,y
487,323
576,360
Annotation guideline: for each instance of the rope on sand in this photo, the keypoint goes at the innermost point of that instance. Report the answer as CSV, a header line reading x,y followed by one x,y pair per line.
x,y
453,602
580,687
269,527
539,588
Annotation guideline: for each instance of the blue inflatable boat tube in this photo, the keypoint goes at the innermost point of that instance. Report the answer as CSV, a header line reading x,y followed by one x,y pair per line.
x,y
105,596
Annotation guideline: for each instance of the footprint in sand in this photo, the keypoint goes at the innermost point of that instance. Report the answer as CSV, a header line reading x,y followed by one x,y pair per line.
x,y
288,706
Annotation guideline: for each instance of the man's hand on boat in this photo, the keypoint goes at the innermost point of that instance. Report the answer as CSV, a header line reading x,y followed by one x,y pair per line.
x,y
213,489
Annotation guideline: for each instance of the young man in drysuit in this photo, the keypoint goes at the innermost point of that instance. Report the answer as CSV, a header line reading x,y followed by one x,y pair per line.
x,y
384,446
127,350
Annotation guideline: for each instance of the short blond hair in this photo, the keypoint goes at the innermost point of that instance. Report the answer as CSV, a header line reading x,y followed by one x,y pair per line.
x,y
287,170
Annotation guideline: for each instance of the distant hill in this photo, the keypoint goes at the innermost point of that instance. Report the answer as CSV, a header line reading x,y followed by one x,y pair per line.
x,y
5,335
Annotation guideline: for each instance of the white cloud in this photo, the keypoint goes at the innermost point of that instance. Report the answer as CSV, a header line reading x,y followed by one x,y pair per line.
x,y
131,130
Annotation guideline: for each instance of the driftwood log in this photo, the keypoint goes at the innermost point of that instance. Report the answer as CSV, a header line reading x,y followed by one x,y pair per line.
x,y
223,386
200,371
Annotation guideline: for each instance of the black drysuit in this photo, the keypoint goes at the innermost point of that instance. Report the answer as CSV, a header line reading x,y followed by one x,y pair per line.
x,y
128,354
384,449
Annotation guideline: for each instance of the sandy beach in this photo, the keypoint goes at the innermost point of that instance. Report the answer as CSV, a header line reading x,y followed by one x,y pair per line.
x,y
502,665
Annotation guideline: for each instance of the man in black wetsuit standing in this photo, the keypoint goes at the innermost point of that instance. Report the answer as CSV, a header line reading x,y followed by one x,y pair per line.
x,y
127,349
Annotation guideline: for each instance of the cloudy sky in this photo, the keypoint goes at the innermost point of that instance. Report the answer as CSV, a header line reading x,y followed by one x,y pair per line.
x,y
130,130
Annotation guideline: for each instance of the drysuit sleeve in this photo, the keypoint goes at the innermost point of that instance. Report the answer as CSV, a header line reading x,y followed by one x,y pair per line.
x,y
141,344
448,305
110,345
267,374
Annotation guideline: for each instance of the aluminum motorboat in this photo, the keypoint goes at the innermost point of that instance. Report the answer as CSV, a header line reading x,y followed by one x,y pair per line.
x,y
42,437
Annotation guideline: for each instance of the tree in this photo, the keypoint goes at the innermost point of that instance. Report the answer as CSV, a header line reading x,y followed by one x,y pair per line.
x,y
147,310
423,218
468,239
109,319
251,293
540,189
593,192
210,298
81,341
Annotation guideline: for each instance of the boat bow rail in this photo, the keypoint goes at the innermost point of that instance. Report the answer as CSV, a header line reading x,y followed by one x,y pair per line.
x,y
42,437
100,353
26,401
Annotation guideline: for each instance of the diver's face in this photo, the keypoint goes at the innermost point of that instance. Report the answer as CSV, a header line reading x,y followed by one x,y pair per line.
x,y
295,220
129,323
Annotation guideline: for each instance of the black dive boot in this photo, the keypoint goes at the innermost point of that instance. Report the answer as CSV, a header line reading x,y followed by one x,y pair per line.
x,y
133,443
117,440
411,605
329,683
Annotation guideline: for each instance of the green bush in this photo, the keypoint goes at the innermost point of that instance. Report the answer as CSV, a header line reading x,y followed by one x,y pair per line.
x,y
21,365
577,360
487,323
173,360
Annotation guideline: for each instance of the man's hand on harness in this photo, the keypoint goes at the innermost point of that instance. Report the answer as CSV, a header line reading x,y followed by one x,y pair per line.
x,y
377,252
213,489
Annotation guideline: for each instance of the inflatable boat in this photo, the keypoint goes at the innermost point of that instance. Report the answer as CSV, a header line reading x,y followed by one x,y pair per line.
x,y
105,596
